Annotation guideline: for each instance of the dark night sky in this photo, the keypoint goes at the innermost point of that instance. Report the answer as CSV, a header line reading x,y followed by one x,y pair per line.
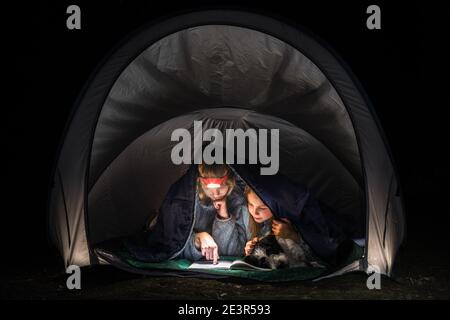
x,y
403,67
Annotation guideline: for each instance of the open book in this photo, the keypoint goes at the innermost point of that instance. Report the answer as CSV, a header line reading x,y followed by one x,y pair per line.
x,y
225,265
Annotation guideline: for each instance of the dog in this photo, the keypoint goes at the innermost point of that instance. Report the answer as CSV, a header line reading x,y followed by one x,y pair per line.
x,y
272,252
268,254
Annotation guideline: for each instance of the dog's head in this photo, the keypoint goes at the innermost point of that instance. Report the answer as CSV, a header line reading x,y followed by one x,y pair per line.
x,y
267,253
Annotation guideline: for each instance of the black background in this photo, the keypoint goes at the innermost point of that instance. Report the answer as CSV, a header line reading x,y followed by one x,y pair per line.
x,y
403,68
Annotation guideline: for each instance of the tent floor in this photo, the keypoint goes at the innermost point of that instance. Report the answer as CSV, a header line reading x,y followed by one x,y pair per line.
x,y
179,267
422,273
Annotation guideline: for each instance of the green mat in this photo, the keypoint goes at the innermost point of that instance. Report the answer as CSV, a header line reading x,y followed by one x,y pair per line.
x,y
290,274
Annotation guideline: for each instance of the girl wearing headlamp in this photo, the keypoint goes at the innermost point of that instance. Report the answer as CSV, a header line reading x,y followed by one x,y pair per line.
x,y
221,215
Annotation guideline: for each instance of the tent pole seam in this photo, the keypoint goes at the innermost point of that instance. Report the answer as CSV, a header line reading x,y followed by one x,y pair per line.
x,y
65,206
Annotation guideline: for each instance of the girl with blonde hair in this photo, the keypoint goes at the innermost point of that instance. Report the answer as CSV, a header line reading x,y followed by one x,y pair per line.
x,y
220,215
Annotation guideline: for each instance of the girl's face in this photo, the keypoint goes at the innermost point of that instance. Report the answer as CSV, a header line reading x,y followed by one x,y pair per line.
x,y
259,211
216,194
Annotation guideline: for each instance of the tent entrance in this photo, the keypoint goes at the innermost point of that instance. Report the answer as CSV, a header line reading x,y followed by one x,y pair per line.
x,y
135,184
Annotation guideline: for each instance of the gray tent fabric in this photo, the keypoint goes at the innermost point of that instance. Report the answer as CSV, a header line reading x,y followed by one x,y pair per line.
x,y
230,70
228,66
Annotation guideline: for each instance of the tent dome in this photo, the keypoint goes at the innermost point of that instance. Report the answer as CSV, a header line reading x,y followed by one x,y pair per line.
x,y
229,70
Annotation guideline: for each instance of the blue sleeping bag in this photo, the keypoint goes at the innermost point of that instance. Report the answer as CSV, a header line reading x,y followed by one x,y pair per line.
x,y
318,224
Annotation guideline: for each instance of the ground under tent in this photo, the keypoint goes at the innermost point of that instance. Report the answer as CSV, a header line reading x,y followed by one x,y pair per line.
x,y
229,70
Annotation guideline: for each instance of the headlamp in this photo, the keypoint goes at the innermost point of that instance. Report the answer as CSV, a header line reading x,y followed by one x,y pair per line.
x,y
213,183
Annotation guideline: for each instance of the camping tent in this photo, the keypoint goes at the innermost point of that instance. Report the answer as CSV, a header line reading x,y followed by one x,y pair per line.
x,y
228,69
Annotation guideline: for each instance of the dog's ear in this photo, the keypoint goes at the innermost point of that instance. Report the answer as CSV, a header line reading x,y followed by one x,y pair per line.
x,y
263,262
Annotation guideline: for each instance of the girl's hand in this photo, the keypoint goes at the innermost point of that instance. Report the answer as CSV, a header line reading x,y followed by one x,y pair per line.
x,y
250,245
207,245
221,207
283,228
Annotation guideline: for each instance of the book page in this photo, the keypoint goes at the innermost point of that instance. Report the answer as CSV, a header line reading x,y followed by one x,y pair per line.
x,y
209,265
243,265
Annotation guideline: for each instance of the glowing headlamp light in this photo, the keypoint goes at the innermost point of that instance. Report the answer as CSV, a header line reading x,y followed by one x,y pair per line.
x,y
213,183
